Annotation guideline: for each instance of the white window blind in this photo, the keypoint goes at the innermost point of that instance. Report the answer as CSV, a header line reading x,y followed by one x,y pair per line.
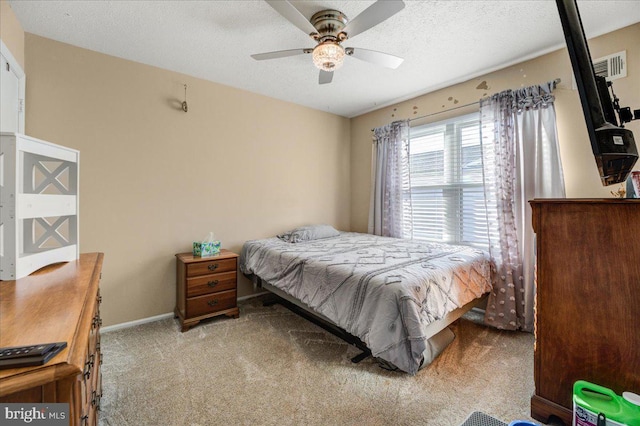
x,y
447,193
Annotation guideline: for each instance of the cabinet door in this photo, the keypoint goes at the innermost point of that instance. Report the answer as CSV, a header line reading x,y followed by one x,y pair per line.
x,y
588,295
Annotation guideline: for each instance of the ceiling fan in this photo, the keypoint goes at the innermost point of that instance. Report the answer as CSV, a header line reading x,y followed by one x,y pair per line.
x,y
329,28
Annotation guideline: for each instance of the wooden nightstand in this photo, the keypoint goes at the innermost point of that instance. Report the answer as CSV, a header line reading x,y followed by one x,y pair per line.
x,y
206,287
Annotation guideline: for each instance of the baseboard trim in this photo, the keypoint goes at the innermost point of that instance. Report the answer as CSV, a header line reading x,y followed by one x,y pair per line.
x,y
160,317
135,323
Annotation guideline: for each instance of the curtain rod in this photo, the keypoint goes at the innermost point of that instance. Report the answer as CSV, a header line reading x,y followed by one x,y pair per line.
x,y
555,82
443,111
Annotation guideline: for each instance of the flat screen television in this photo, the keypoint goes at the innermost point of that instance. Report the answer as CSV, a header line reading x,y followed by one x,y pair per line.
x,y
613,147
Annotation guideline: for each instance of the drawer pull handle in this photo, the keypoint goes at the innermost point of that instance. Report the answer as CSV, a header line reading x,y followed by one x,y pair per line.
x,y
213,267
97,321
212,303
88,365
95,400
212,283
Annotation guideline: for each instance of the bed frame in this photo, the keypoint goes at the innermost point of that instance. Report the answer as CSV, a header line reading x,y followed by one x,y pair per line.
x,y
304,311
437,331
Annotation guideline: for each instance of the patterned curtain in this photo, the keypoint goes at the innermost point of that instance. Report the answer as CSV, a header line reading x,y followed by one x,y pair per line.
x,y
521,162
390,207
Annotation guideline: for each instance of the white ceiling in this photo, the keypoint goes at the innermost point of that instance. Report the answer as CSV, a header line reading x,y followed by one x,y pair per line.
x,y
443,42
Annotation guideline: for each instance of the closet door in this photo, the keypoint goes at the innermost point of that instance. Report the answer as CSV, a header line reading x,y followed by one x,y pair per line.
x,y
11,94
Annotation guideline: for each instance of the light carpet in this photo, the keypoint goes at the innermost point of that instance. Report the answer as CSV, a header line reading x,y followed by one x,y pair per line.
x,y
271,367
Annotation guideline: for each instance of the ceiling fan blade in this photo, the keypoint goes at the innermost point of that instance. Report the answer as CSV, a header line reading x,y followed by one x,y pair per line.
x,y
325,77
280,54
372,16
293,15
378,58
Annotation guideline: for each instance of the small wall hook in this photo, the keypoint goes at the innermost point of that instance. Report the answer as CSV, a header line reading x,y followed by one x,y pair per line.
x,y
185,108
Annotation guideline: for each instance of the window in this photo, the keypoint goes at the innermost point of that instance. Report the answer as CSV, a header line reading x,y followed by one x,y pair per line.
x,y
447,192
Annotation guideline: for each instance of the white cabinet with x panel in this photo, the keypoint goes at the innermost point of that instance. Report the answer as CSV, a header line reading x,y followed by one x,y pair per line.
x,y
39,202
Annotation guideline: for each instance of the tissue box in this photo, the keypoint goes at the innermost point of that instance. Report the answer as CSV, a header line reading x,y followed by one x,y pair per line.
x,y
206,249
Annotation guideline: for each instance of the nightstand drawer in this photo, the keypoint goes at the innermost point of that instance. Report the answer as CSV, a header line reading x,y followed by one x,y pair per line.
x,y
209,303
212,266
210,283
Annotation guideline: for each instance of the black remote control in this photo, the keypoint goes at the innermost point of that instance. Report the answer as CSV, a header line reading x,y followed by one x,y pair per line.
x,y
25,351
25,356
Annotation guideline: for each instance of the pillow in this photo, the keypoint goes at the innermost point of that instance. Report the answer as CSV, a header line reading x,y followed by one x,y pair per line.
x,y
308,233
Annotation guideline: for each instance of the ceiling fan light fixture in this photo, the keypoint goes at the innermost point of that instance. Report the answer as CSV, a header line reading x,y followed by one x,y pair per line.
x,y
328,56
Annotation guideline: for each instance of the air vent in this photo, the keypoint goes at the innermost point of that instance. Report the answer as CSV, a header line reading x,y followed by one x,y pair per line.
x,y
612,67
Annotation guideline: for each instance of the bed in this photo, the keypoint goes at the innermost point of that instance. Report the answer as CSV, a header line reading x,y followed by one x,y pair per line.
x,y
397,296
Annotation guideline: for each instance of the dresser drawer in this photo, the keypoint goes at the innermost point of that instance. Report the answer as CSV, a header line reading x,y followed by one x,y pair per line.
x,y
211,283
212,266
209,303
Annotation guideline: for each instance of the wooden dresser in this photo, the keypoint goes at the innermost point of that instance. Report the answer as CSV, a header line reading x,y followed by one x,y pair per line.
x,y
59,303
206,287
588,300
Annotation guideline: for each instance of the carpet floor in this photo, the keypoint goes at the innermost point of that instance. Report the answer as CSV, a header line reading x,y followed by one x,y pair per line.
x,y
271,367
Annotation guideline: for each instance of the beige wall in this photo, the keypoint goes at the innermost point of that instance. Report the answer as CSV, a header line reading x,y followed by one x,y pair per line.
x,y
11,32
154,178
580,171
245,166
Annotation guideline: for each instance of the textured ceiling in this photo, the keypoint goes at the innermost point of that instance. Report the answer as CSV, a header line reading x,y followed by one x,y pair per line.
x,y
443,42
